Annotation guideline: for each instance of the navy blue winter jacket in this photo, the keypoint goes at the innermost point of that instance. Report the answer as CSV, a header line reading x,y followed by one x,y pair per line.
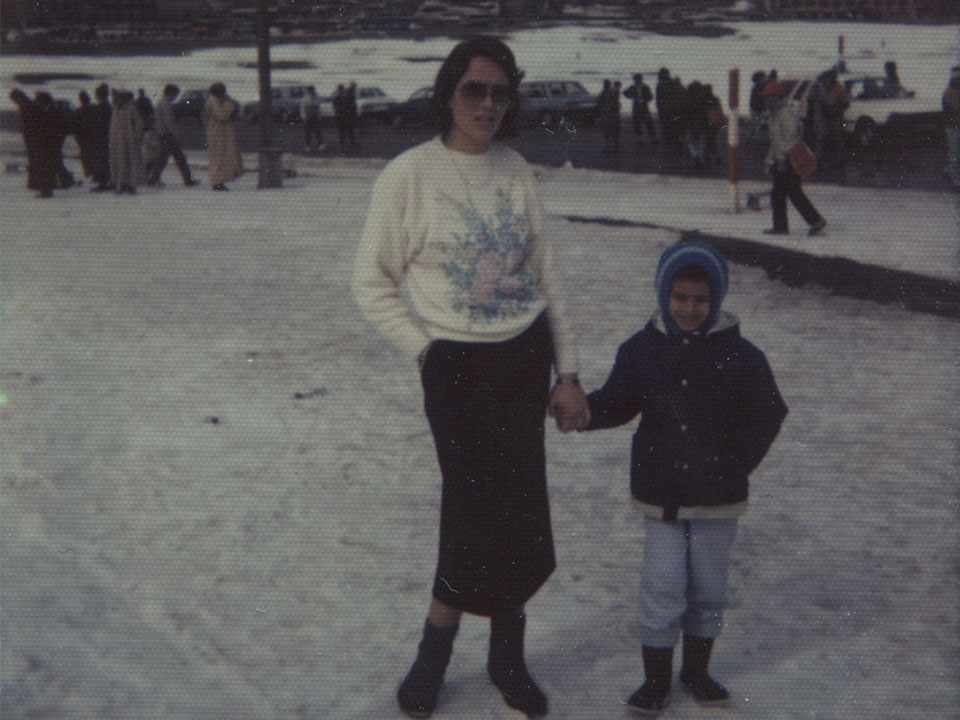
x,y
710,410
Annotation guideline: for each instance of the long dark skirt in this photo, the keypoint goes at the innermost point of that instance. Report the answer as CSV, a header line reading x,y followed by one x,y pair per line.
x,y
486,404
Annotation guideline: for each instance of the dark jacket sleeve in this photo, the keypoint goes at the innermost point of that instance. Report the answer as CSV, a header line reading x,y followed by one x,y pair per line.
x,y
763,410
621,397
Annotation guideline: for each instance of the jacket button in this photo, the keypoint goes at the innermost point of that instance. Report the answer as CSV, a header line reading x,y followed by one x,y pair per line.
x,y
683,428
686,467
684,382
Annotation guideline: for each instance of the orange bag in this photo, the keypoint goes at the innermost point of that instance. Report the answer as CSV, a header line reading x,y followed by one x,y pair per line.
x,y
802,158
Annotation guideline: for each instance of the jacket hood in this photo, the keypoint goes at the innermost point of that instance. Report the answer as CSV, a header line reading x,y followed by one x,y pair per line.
x,y
679,256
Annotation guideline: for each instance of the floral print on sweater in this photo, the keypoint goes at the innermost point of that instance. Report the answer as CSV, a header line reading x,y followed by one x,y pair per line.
x,y
486,265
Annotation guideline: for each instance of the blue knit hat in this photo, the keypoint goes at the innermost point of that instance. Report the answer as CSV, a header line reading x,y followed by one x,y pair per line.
x,y
684,254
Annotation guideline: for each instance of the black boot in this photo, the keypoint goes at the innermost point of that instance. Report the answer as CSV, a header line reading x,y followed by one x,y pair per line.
x,y
418,692
693,672
506,666
653,696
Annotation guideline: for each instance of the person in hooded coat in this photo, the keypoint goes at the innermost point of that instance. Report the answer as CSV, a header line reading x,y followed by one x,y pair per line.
x,y
220,113
709,411
41,174
99,139
126,137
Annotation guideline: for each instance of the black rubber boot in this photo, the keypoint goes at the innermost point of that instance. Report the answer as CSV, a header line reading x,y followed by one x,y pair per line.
x,y
506,666
418,692
693,672
653,696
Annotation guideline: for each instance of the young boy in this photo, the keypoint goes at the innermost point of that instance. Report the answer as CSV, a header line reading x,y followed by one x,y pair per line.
x,y
710,411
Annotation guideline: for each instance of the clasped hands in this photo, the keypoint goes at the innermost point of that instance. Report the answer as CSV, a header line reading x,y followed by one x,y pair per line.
x,y
568,406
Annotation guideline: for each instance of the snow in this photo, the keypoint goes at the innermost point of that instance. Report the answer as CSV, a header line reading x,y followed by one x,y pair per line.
x,y
277,563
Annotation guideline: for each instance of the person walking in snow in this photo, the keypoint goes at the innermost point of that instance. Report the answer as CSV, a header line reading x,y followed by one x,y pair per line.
x,y
345,116
709,411
126,144
169,139
608,116
41,174
454,267
951,115
784,132
220,112
100,121
310,115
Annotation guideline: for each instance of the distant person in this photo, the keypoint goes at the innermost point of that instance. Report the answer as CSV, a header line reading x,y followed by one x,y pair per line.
x,y
145,108
126,144
709,411
310,115
352,117
641,95
713,112
169,137
343,121
608,116
951,116
221,112
83,132
757,105
694,114
758,109
100,121
784,132
41,171
833,102
671,101
891,80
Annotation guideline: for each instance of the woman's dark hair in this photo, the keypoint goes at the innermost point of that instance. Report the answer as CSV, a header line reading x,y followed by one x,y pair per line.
x,y
455,67
218,90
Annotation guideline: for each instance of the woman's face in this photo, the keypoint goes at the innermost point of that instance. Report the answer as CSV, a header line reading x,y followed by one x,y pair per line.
x,y
478,105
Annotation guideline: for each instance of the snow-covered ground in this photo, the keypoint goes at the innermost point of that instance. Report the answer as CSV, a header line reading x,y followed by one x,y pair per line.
x,y
219,493
185,537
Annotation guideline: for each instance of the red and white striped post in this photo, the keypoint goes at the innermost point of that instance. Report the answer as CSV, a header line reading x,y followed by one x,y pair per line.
x,y
733,140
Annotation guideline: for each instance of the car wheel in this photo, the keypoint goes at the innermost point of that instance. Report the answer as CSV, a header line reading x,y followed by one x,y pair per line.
x,y
545,120
865,133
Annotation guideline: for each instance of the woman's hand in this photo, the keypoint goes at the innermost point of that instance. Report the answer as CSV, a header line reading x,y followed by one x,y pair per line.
x,y
568,405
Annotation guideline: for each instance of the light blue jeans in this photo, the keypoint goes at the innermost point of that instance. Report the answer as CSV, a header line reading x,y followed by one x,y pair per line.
x,y
683,586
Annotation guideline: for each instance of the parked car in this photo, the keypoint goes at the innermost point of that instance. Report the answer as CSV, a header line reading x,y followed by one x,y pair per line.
x,y
880,113
872,121
415,112
548,103
284,104
190,104
372,104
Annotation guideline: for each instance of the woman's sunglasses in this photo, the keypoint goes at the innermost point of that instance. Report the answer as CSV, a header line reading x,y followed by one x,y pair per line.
x,y
476,92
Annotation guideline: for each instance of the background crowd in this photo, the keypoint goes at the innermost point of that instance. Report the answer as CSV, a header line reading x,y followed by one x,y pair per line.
x,y
126,141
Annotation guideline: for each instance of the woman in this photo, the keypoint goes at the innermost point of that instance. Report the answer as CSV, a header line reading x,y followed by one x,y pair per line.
x,y
220,112
457,221
126,144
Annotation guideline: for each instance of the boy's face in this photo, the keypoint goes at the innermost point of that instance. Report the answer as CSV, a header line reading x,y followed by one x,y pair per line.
x,y
689,304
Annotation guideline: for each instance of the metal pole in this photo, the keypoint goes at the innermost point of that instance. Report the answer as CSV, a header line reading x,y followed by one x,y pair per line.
x,y
270,175
733,140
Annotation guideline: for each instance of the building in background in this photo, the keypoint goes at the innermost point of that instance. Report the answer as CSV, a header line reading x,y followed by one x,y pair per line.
x,y
860,9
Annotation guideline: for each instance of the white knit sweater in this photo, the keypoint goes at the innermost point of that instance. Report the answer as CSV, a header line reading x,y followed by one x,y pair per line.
x,y
453,249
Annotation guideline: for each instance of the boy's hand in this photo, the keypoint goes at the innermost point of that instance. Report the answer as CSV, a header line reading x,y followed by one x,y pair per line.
x,y
568,405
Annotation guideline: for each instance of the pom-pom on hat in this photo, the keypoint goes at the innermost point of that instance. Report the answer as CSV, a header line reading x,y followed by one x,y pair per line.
x,y
684,254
